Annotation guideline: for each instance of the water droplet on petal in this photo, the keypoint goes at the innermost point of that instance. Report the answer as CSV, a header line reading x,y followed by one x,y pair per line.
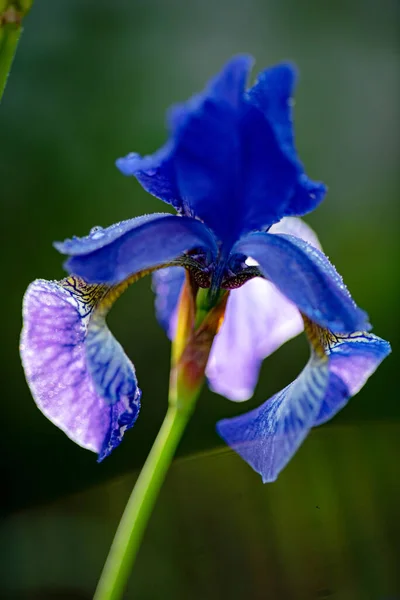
x,y
150,172
96,232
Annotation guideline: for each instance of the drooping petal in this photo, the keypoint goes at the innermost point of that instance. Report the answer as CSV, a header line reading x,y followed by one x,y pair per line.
x,y
307,278
268,436
113,254
79,375
258,320
339,366
353,359
273,96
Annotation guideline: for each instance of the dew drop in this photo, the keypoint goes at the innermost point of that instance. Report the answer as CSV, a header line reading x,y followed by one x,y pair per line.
x,y
96,232
150,172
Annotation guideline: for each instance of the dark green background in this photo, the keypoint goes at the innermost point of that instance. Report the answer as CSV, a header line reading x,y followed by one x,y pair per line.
x,y
91,82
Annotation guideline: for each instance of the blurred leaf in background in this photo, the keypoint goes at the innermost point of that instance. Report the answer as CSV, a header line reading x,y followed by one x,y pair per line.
x,y
11,16
327,529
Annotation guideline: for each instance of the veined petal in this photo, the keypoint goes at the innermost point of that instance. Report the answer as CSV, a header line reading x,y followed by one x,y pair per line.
x,y
268,436
339,366
79,375
307,278
352,360
273,96
111,255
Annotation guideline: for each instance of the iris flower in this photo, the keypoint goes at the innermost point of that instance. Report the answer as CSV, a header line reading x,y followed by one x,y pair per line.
x,y
231,171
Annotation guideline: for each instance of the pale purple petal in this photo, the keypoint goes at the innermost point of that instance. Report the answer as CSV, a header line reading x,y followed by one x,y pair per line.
x,y
297,227
258,320
58,369
307,278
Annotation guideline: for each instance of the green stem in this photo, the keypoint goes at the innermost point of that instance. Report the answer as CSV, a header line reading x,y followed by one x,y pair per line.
x,y
9,37
138,510
12,13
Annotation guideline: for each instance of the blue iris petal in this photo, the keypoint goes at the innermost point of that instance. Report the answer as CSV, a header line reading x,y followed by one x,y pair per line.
x,y
113,254
268,436
113,374
272,94
268,177
79,375
122,417
231,159
352,360
167,285
155,173
207,153
307,278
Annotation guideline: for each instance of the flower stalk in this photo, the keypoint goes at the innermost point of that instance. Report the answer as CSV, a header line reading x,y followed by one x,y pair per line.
x,y
11,15
190,351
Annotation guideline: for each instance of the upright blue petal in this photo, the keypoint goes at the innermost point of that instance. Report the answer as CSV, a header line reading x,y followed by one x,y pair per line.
x,y
273,96
307,278
207,154
268,436
230,160
267,176
155,173
197,170
111,255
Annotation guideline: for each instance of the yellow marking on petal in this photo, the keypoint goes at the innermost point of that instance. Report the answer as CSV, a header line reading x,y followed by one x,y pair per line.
x,y
115,291
322,340
317,336
98,298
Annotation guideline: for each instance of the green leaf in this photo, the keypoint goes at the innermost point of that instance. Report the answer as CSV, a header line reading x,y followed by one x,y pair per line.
x,y
11,16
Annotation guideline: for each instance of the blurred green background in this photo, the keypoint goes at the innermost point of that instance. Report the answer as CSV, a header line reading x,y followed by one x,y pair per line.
x,y
91,81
